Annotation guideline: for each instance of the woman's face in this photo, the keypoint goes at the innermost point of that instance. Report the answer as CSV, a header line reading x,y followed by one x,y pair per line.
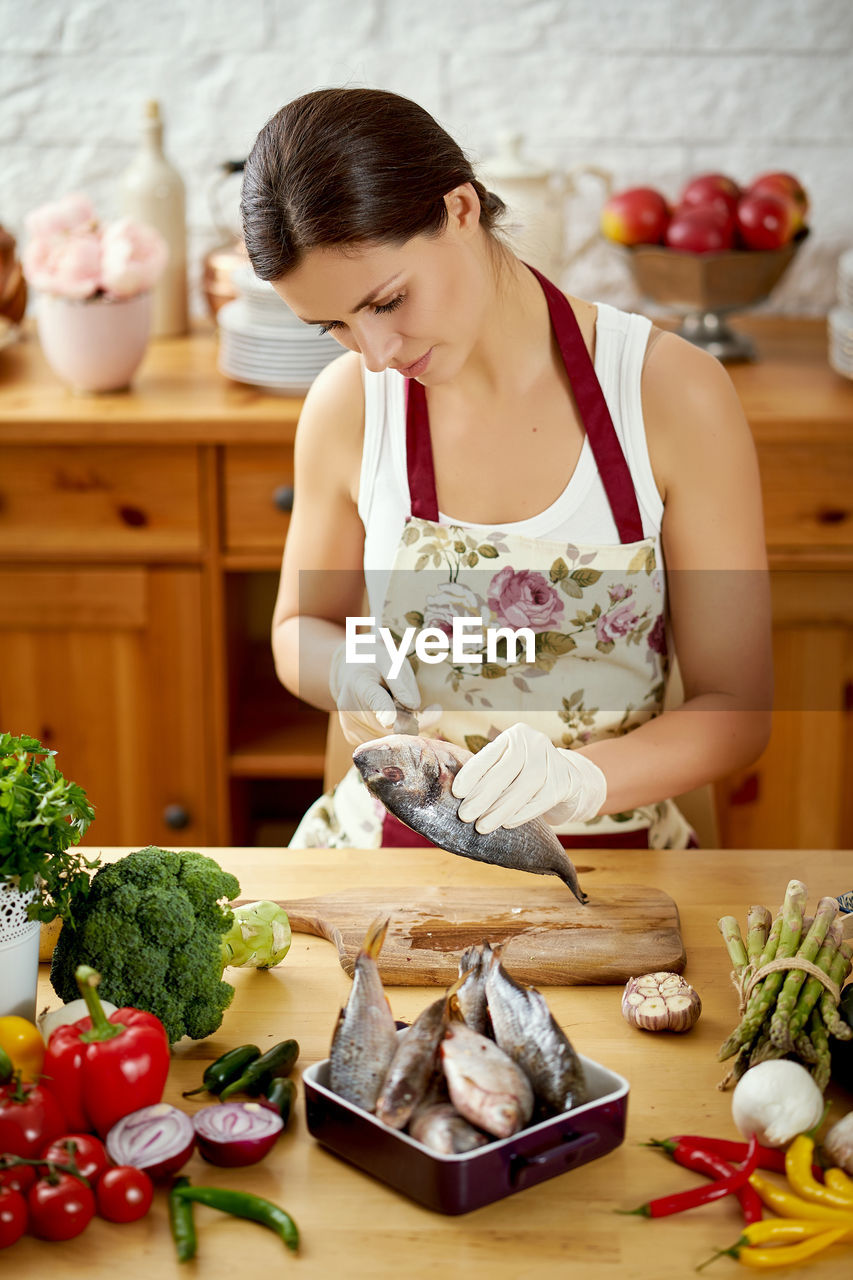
x,y
416,307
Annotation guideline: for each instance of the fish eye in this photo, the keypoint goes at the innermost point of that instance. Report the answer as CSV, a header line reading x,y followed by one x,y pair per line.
x,y
393,773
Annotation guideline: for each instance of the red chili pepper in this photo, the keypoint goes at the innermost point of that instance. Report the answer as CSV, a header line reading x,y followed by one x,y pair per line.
x,y
768,1157
687,1153
100,1068
664,1206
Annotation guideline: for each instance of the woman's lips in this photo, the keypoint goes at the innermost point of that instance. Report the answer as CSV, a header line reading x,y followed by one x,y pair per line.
x,y
414,370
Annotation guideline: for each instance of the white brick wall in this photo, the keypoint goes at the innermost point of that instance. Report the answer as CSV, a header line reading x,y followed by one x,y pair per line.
x,y
652,90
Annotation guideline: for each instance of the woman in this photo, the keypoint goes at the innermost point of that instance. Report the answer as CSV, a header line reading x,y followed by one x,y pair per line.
x,y
580,451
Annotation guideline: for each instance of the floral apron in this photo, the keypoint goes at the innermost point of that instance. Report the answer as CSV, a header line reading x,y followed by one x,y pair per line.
x,y
598,664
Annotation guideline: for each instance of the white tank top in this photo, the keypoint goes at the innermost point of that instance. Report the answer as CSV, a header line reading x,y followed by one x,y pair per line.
x,y
580,515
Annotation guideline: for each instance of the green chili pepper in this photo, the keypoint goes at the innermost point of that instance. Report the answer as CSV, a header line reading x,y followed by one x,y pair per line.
x,y
182,1222
241,1204
277,1061
6,1067
280,1096
225,1069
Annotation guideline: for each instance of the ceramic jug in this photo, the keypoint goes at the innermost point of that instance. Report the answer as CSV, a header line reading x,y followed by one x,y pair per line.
x,y
537,201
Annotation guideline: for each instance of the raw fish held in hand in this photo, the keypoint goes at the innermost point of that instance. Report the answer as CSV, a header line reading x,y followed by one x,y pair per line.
x,y
412,777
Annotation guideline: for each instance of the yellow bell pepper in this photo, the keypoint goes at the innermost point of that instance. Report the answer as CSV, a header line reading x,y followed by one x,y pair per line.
x,y
23,1042
798,1167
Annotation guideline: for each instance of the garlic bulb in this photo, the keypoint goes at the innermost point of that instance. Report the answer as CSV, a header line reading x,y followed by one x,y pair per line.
x,y
660,1002
838,1143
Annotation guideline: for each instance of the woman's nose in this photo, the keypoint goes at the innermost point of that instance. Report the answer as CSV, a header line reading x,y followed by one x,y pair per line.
x,y
378,347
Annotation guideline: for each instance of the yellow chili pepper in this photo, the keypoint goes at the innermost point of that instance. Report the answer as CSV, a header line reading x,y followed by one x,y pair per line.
x,y
787,1205
787,1255
837,1181
788,1230
23,1042
798,1167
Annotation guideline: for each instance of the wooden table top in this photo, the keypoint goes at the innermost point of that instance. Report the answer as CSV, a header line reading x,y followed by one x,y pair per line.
x,y
178,395
354,1225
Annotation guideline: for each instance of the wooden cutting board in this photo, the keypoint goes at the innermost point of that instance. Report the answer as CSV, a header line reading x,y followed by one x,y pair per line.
x,y
548,938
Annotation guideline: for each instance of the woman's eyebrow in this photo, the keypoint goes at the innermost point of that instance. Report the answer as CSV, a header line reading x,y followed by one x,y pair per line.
x,y
365,302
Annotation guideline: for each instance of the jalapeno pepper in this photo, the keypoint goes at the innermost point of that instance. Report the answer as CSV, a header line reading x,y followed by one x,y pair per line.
x,y
280,1097
798,1167
277,1061
225,1069
664,1206
182,1222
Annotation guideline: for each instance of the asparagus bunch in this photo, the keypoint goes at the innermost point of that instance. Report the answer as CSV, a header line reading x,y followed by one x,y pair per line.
x,y
788,1012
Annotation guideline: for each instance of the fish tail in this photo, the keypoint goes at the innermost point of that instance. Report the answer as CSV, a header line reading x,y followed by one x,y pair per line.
x,y
569,877
375,937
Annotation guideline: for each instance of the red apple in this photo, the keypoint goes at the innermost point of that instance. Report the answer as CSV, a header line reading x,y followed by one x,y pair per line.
x,y
782,184
636,216
713,189
700,230
767,221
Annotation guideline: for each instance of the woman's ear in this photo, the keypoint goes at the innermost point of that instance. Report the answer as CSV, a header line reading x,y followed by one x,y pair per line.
x,y
463,208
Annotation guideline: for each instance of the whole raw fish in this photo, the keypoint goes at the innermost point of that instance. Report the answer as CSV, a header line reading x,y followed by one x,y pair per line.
x,y
471,993
412,1066
365,1038
412,777
440,1127
485,1085
524,1027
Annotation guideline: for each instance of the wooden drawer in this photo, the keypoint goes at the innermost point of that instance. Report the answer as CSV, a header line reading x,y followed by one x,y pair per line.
x,y
99,501
808,494
258,483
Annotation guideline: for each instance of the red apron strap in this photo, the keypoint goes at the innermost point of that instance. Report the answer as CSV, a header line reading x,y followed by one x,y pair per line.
x,y
592,408
422,494
594,414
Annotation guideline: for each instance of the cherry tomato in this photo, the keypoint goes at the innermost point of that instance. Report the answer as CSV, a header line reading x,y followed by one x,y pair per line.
x,y
13,1216
19,1176
61,1206
30,1117
89,1155
124,1194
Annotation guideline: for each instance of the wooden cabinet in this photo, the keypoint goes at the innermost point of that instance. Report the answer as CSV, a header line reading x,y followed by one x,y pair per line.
x,y
140,542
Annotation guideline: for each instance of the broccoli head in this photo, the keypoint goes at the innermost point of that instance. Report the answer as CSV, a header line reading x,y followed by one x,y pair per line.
x,y
152,925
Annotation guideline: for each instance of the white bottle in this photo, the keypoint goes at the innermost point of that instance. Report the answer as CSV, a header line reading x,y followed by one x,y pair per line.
x,y
152,191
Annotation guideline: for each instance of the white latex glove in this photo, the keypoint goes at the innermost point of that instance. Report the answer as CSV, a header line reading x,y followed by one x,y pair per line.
x,y
365,692
522,775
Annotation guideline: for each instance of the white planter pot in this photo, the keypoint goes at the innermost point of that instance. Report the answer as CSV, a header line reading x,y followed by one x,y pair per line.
x,y
19,953
95,344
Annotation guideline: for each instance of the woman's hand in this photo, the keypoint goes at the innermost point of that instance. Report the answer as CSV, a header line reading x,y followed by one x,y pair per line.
x,y
365,695
521,775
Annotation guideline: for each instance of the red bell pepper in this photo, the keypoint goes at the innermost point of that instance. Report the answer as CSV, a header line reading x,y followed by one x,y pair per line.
x,y
101,1068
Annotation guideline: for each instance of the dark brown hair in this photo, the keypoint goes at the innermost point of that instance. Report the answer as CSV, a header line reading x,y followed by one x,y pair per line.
x,y
346,167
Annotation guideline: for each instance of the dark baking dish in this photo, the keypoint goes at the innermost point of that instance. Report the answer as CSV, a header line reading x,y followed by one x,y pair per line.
x,y
460,1183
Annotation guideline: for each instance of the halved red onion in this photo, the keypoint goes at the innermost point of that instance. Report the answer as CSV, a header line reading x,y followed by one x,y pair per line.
x,y
236,1133
158,1139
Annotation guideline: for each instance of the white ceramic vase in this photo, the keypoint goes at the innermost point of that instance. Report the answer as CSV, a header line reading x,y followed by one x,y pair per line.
x,y
94,344
19,952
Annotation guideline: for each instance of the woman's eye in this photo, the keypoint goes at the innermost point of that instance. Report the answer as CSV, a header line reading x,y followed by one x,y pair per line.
x,y
380,310
389,306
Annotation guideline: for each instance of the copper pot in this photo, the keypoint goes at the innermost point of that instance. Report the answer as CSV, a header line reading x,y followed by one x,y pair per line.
x,y
218,264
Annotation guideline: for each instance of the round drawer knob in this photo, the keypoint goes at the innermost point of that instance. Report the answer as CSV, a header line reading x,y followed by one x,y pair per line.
x,y
282,497
176,817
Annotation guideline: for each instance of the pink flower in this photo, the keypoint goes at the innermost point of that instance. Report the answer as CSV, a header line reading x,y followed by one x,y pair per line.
x,y
70,213
657,636
133,258
522,598
616,623
69,265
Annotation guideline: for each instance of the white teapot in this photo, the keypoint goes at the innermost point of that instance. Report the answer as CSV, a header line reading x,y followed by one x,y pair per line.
x,y
537,202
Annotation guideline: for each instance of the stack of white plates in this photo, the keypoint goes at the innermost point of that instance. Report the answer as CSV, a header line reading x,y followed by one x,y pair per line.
x,y
840,319
263,343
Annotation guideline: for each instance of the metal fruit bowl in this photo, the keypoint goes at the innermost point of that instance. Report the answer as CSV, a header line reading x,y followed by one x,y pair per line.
x,y
705,287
